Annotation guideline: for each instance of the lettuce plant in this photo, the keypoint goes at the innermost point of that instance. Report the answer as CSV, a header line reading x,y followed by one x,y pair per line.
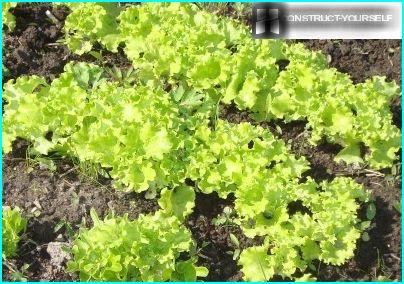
x,y
89,23
231,155
344,113
145,249
99,121
7,17
326,227
13,225
215,58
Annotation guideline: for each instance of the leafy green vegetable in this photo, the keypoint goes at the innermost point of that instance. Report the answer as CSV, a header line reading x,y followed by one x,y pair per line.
x,y
146,249
232,155
89,23
203,55
149,141
7,17
344,113
101,122
13,225
178,202
325,228
159,127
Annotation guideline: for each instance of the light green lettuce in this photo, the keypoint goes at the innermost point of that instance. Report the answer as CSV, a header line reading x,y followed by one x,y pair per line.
x,y
14,224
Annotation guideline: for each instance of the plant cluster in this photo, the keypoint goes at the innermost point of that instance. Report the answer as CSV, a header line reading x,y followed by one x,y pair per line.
x,y
96,120
84,27
13,225
231,155
145,249
148,137
8,18
216,57
158,147
301,223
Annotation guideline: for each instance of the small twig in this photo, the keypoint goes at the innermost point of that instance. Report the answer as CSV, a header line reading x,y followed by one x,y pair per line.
x,y
374,172
204,256
301,134
14,159
37,246
68,172
9,265
393,256
373,175
367,172
54,44
68,183
28,242
52,18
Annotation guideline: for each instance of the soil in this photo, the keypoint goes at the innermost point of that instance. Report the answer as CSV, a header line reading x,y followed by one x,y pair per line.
x,y
66,193
35,46
362,59
216,247
63,195
32,48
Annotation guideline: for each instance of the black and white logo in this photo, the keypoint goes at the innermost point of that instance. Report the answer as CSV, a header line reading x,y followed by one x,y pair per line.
x,y
268,20
316,20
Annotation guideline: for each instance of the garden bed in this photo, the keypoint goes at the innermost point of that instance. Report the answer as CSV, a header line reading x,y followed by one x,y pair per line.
x,y
65,193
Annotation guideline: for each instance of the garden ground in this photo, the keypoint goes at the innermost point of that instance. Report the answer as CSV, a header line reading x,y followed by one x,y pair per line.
x,y
58,193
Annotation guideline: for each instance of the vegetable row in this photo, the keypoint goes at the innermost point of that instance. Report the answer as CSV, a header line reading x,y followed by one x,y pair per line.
x,y
147,141
216,59
164,130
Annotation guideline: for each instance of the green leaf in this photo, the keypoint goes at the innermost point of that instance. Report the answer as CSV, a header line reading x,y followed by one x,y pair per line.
x,y
370,211
234,240
397,206
8,18
178,202
14,224
186,271
365,225
201,271
248,93
350,154
178,93
236,254
365,237
256,265
94,217
59,226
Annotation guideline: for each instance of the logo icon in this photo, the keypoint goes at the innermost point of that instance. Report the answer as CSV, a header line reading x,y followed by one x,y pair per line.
x,y
268,20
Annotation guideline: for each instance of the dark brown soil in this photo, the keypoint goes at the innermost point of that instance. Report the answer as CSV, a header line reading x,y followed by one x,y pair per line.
x,y
216,247
67,194
31,48
35,46
63,195
362,58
